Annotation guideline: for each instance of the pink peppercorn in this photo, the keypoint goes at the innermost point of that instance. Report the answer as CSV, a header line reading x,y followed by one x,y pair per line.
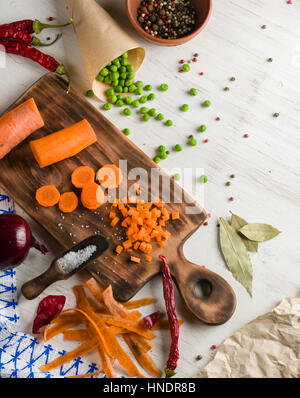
x,y
50,19
213,347
201,73
180,70
290,2
231,198
208,215
194,59
217,118
206,140
246,135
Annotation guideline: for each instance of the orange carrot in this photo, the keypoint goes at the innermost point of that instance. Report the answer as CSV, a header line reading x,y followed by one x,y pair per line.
x,y
68,202
114,221
175,215
47,195
135,259
63,144
76,334
18,124
95,289
148,259
82,175
119,249
163,324
109,176
92,196
138,303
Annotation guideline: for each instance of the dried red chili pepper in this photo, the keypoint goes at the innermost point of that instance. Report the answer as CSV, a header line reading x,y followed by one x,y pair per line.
x,y
32,26
47,310
24,37
151,319
45,60
169,297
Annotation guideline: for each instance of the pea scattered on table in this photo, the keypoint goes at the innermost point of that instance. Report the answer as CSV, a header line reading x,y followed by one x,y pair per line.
x,y
156,159
178,148
135,103
144,110
185,107
177,176
148,87
146,117
163,155
192,141
110,91
89,93
120,103
127,112
193,91
132,88
202,128
139,84
163,87
203,178
169,123
107,106
128,100
126,131
112,99
151,97
186,67
143,99
138,91
152,112
160,116
206,104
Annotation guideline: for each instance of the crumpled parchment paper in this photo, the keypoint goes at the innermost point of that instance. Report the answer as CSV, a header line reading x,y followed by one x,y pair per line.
x,y
101,39
267,347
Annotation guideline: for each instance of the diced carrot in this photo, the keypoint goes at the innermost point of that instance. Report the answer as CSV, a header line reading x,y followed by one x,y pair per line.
x,y
112,214
92,196
136,245
115,202
119,249
114,221
175,215
127,244
162,244
143,246
135,259
63,144
18,124
68,202
148,259
47,195
82,175
109,176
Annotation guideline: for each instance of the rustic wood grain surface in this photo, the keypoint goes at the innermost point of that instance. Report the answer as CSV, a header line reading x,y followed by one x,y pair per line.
x,y
266,164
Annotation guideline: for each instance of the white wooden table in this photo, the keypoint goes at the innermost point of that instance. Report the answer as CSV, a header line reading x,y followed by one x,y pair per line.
x,y
266,164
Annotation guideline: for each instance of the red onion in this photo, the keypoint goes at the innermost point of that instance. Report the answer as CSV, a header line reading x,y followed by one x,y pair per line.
x,y
47,310
15,241
151,319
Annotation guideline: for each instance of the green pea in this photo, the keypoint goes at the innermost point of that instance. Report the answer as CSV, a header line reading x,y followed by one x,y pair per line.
x,y
126,131
135,103
185,107
138,91
139,83
115,75
202,128
125,89
122,69
119,89
160,116
203,178
112,99
100,78
163,155
128,100
104,72
186,67
130,75
123,75
119,97
107,106
116,62
130,68
125,55
113,68
156,159
206,104
90,93
169,123
161,148
178,148
110,91
109,64
146,117
122,83
193,91
192,141
163,87
177,177
120,103
115,83
132,88
124,61
143,99
144,110
151,97
148,87
127,112
128,83
107,80
152,112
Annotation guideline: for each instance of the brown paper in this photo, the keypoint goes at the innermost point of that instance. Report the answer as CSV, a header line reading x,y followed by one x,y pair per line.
x,y
267,347
101,40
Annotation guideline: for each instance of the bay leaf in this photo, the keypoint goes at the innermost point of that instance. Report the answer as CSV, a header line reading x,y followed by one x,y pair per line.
x,y
236,255
238,222
259,232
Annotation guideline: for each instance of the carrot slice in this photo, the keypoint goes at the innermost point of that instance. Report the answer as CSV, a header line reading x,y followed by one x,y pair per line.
x,y
138,303
68,202
47,195
135,259
51,331
109,176
63,144
76,334
18,124
119,249
92,196
175,215
163,324
143,358
95,289
82,176
69,356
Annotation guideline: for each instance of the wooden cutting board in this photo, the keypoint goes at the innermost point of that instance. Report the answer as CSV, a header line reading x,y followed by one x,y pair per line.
x,y
20,176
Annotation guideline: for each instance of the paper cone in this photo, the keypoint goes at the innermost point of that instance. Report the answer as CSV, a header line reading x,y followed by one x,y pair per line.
x,y
101,39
